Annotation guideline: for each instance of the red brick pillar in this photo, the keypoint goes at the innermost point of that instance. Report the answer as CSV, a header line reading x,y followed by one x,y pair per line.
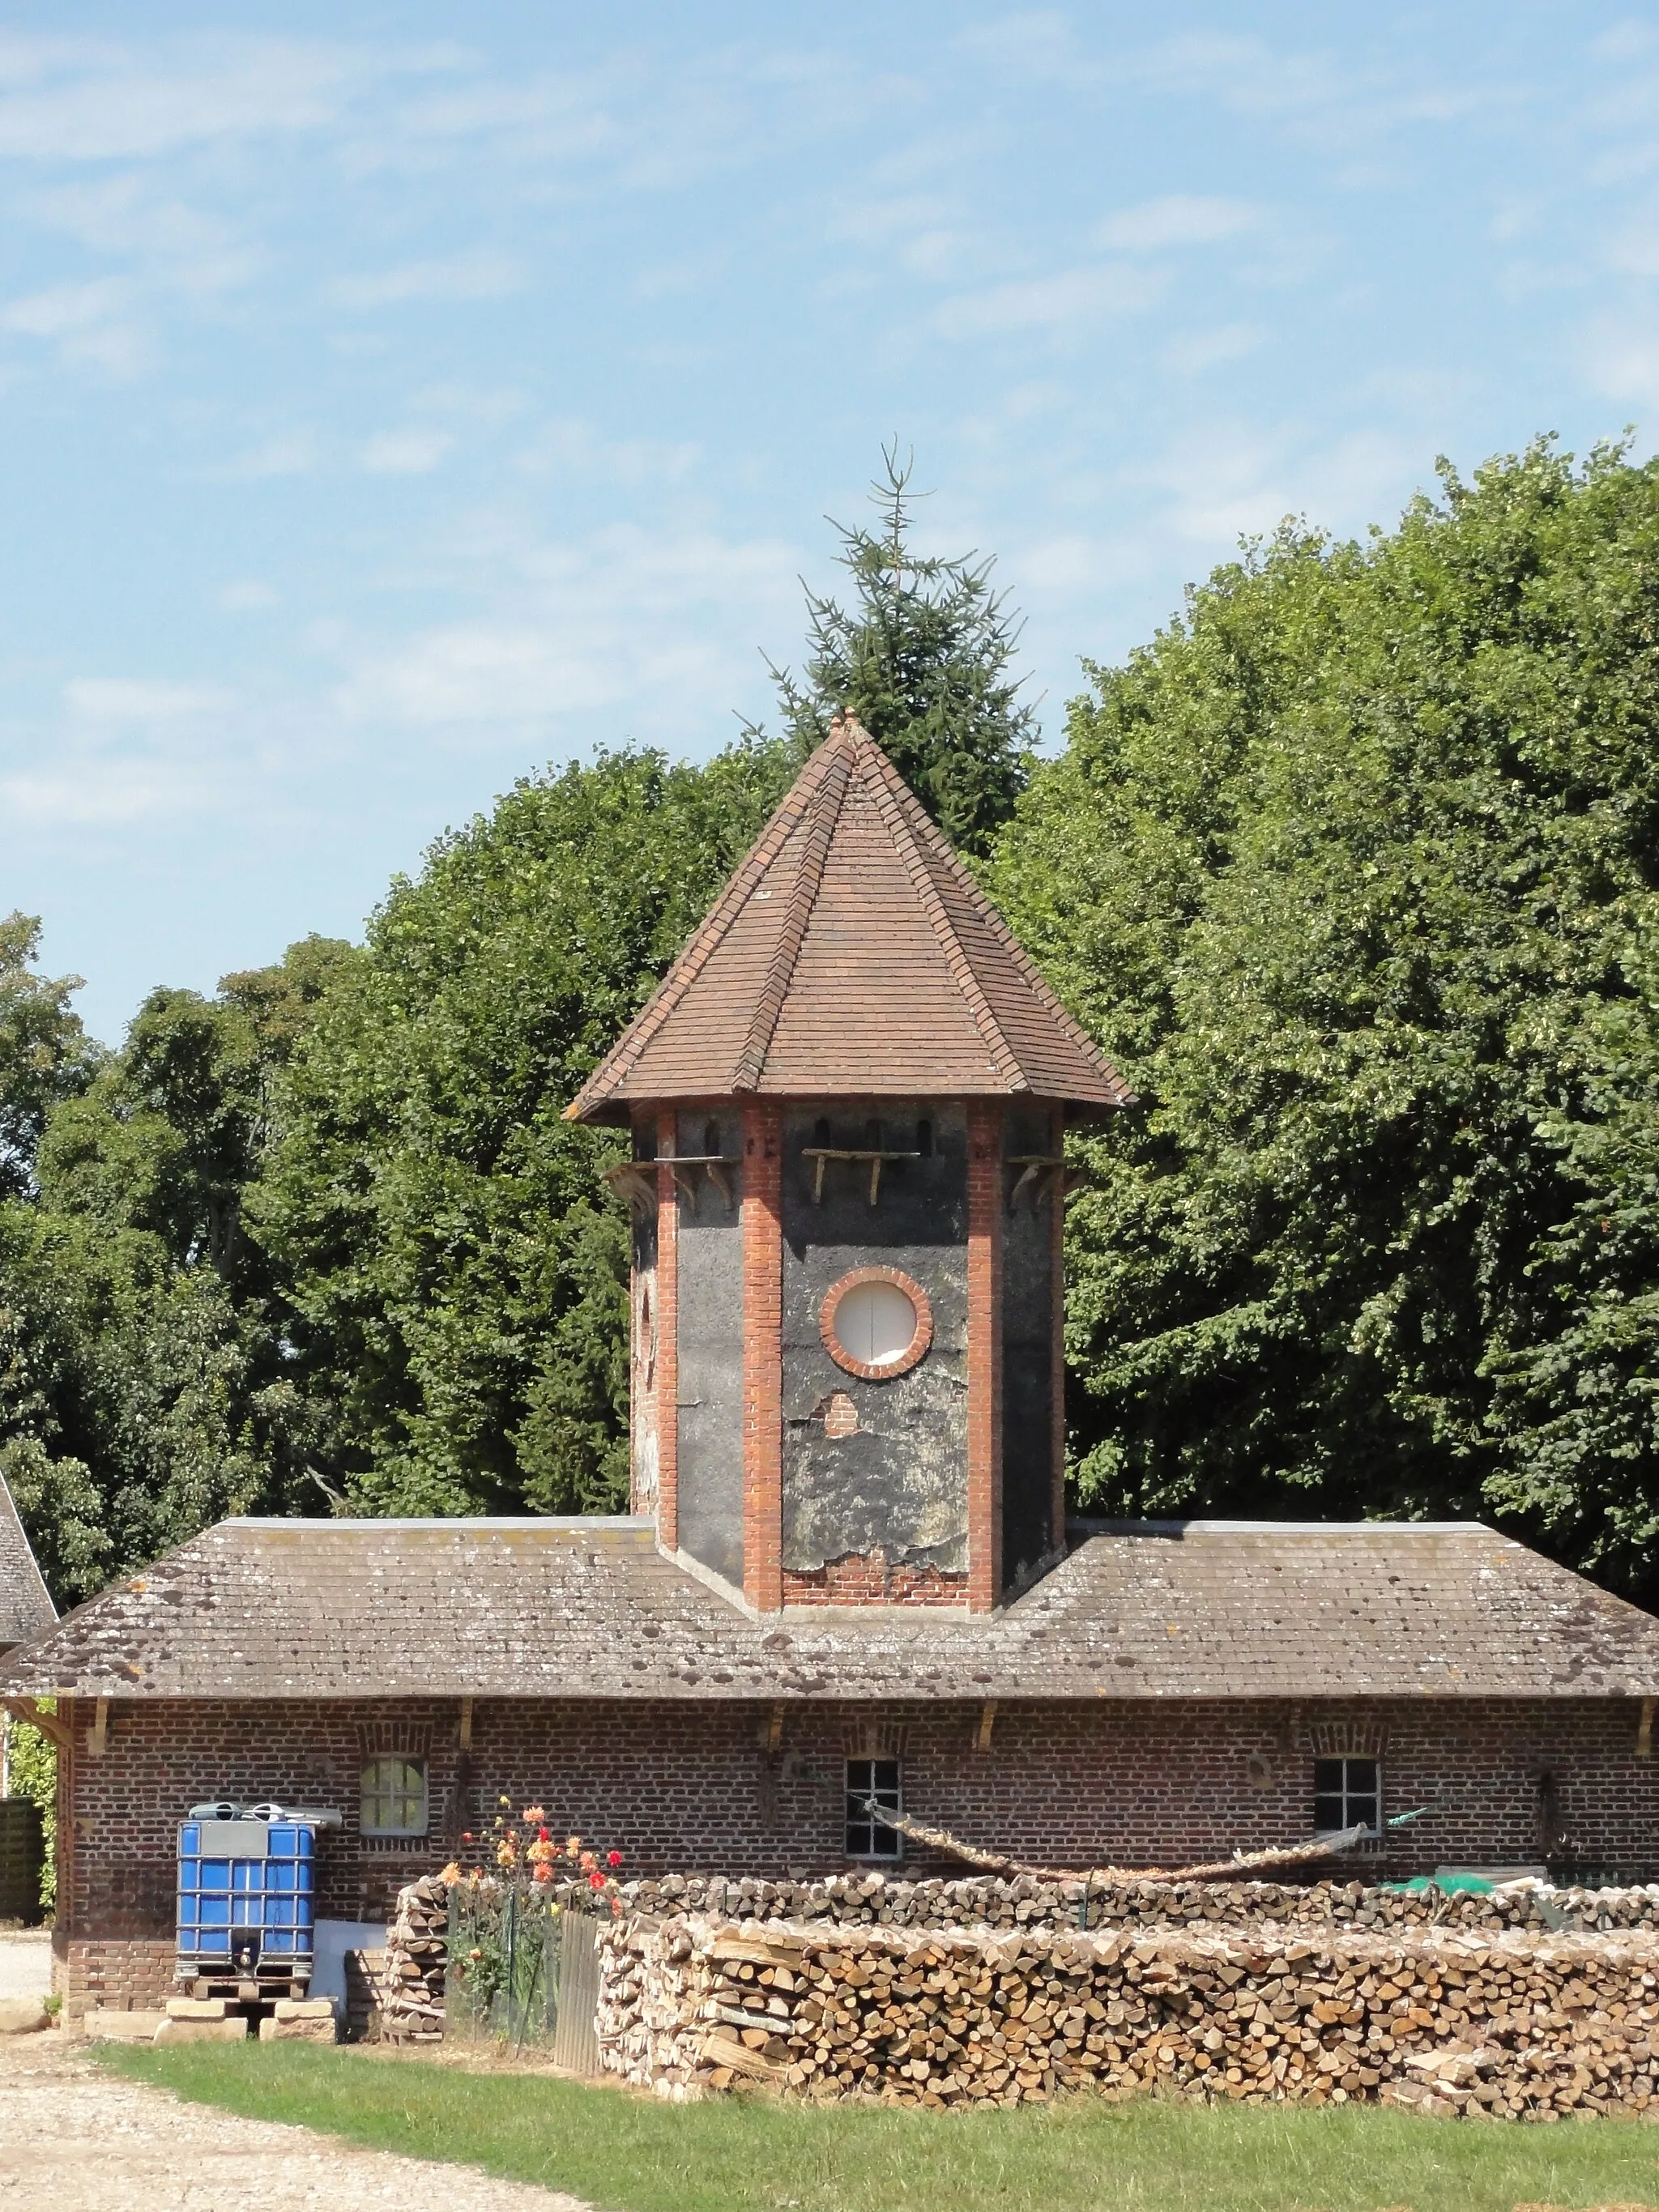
x,y
668,1339
1057,1295
985,1209
763,1354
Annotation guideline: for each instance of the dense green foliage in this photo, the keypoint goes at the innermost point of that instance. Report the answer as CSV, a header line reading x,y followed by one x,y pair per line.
x,y
754,2154
32,1772
148,1380
1353,870
923,657
44,1055
460,1271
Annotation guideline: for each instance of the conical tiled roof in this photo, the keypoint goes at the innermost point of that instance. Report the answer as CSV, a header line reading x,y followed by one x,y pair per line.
x,y
851,953
25,1607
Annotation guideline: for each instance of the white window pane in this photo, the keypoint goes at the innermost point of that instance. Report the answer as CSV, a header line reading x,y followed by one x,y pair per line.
x,y
876,1323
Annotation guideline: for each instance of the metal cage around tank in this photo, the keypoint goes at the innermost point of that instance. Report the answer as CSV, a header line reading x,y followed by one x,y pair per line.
x,y
246,1899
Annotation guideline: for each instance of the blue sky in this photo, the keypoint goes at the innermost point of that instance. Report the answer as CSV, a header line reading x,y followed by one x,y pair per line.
x,y
396,399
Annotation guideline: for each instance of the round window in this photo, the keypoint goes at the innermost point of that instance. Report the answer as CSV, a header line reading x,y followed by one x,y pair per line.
x,y
876,1323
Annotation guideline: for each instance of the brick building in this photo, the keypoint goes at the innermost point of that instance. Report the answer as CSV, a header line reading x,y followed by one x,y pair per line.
x,y
847,1572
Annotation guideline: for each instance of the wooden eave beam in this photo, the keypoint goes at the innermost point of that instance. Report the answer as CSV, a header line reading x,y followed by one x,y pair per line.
x,y
27,1710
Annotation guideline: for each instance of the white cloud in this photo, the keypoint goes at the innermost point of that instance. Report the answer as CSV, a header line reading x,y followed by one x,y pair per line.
x,y
1228,479
110,794
139,699
64,310
247,596
483,275
411,452
284,454
633,622
1633,248
100,100
179,247
1621,359
1179,219
96,324
1065,300
573,447
1205,349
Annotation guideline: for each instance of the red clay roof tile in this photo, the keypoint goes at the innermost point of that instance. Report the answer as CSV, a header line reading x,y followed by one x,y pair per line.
x,y
853,953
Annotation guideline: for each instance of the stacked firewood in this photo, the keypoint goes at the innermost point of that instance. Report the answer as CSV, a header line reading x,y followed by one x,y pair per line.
x,y
411,1996
870,1899
1513,2024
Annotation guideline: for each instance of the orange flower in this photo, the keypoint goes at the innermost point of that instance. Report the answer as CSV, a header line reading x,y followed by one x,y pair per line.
x,y
533,1816
451,1873
506,1855
572,1846
543,1873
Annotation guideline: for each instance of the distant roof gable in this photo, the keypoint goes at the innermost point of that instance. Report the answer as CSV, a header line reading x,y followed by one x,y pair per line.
x,y
851,953
26,1606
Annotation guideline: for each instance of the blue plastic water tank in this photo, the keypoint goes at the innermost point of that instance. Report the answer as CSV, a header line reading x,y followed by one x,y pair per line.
x,y
243,1881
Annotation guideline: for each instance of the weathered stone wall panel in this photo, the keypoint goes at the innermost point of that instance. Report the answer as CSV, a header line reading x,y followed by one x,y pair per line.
x,y
897,1483
709,1306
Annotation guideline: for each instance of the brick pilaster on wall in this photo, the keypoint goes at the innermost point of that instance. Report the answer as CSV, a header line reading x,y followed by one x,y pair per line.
x,y
985,1211
668,1339
1057,1312
762,1221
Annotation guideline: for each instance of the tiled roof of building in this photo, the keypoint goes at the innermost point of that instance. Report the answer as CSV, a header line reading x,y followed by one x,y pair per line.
x,y
26,1607
256,1609
851,953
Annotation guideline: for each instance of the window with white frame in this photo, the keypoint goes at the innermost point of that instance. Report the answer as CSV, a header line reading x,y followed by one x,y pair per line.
x,y
1347,1794
873,1782
393,1797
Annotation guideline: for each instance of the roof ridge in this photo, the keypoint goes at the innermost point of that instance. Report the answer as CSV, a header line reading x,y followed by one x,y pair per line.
x,y
790,811
908,844
934,846
821,814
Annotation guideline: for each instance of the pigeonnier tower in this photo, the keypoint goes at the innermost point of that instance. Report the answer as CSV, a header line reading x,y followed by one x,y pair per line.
x,y
847,1101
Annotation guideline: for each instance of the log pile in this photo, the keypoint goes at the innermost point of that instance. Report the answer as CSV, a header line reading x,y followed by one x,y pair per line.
x,y
411,1993
1506,2024
869,1900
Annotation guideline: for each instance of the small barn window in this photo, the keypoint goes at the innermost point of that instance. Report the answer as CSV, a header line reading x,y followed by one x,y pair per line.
x,y
1347,1794
925,1139
711,1140
868,1835
393,1797
821,1130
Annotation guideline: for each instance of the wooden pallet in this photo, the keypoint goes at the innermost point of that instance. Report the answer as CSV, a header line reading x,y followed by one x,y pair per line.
x,y
244,1989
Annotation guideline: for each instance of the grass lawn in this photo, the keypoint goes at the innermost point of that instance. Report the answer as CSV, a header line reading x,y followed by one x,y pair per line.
x,y
630,2154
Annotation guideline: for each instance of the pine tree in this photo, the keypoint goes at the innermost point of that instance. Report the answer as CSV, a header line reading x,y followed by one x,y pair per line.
x,y
922,656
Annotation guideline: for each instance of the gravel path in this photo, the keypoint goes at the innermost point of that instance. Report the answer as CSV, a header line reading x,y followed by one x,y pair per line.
x,y
73,2139
24,1962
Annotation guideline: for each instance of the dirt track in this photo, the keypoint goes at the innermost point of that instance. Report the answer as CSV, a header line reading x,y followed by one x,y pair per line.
x,y
73,2139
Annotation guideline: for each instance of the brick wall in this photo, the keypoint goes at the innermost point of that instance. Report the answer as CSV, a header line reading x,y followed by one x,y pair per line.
x,y
667,1377
985,1209
871,1578
684,1786
763,1365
